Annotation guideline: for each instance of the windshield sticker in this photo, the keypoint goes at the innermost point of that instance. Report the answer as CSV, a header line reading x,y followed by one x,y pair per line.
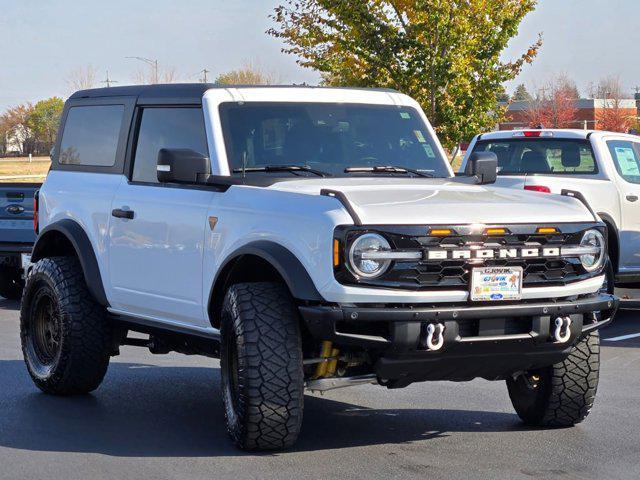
x,y
405,115
419,136
627,161
429,150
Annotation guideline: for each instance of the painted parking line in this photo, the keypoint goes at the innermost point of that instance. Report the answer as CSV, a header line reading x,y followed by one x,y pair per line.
x,y
622,337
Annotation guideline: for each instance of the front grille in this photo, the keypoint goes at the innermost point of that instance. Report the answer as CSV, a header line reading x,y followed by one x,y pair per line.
x,y
450,273
456,274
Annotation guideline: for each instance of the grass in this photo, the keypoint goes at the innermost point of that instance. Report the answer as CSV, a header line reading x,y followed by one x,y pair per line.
x,y
21,166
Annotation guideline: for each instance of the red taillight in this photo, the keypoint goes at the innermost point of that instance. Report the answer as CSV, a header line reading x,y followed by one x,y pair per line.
x,y
538,188
35,211
533,133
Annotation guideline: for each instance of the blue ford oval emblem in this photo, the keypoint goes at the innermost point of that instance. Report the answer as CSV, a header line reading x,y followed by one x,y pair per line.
x,y
15,209
496,296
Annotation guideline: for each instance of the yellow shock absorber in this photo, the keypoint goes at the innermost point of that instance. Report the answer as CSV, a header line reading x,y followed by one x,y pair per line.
x,y
325,352
333,363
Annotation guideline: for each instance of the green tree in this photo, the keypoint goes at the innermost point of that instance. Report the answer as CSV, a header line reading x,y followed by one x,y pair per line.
x,y
502,95
522,94
444,53
43,122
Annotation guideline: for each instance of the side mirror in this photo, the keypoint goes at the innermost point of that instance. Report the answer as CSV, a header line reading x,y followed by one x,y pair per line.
x,y
483,166
181,165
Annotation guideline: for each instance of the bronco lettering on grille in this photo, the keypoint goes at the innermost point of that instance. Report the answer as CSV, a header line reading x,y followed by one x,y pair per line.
x,y
486,253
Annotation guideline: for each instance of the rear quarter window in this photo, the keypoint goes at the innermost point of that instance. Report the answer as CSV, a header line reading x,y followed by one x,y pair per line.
x,y
91,135
542,156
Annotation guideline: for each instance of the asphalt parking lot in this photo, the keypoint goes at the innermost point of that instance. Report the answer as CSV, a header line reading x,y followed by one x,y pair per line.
x,y
161,417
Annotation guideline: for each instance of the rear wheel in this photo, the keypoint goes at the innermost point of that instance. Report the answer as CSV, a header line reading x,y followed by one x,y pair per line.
x,y
261,363
11,283
66,336
561,395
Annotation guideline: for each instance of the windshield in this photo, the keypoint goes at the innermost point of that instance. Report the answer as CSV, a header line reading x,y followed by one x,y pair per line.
x,y
329,138
541,155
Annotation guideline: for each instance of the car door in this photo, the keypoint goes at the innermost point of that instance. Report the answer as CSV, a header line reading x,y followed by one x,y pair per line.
x,y
156,232
625,154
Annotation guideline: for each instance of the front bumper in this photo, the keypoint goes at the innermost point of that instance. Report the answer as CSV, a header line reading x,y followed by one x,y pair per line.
x,y
490,341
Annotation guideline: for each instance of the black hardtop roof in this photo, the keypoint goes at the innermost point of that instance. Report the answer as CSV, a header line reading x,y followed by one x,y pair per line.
x,y
189,92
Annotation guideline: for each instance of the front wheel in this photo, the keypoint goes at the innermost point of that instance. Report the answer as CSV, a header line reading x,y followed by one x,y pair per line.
x,y
561,395
261,366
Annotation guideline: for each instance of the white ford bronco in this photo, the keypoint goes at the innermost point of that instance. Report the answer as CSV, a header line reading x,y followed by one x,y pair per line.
x,y
309,238
604,167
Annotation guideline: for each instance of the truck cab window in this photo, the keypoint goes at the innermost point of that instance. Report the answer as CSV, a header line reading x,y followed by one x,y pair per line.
x,y
166,128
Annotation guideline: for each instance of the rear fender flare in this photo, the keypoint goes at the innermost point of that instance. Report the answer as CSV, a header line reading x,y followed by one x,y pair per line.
x,y
78,239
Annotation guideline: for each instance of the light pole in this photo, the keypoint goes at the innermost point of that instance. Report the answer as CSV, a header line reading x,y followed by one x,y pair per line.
x,y
154,67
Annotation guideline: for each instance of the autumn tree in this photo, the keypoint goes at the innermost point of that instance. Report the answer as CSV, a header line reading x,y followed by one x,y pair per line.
x,y
249,74
445,54
521,94
43,122
5,131
16,124
554,106
613,116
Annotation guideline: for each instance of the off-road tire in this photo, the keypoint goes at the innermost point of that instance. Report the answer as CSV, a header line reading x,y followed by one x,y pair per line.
x,y
11,284
261,366
74,356
565,392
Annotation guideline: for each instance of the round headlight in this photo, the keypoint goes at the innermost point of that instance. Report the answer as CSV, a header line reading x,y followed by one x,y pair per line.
x,y
360,263
594,240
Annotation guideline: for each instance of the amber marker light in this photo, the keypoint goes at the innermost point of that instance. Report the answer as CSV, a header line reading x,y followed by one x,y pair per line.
x,y
495,231
547,230
336,252
440,232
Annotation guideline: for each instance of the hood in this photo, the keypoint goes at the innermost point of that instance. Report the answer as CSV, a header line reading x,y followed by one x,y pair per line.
x,y
399,201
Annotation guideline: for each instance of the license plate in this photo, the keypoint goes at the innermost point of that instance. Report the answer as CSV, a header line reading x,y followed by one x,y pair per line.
x,y
496,284
25,260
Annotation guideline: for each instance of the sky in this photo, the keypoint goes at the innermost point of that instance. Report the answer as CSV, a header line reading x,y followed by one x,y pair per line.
x,y
43,41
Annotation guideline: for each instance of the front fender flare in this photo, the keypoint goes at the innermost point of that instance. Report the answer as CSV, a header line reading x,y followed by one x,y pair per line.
x,y
286,264
83,248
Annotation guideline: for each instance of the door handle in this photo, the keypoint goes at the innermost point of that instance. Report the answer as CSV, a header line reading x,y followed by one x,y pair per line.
x,y
632,198
119,213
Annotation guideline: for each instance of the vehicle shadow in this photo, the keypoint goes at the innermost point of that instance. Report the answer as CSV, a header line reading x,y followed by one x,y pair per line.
x,y
144,410
625,323
6,304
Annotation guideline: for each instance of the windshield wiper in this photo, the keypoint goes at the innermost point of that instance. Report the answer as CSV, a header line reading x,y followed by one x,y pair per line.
x,y
388,169
283,168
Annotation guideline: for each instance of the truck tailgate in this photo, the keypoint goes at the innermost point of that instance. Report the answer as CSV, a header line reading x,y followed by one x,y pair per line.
x,y
16,213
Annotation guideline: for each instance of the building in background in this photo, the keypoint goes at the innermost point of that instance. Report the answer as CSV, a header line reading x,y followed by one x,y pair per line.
x,y
588,111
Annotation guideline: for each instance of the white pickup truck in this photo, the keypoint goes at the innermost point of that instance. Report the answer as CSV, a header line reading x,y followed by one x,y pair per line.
x,y
603,167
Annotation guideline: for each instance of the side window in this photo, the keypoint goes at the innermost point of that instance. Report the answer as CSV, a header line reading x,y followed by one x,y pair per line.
x,y
91,135
626,157
166,128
